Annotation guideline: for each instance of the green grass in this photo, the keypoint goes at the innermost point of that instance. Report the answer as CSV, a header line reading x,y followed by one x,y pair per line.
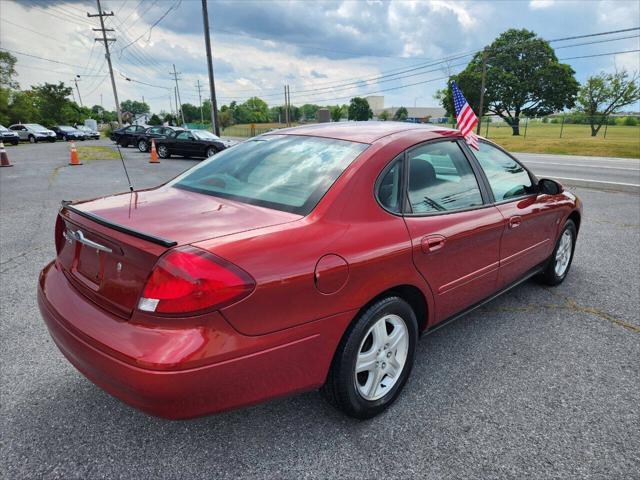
x,y
88,154
621,141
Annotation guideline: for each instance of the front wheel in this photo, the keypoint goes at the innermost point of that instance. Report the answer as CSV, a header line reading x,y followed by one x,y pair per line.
x,y
32,139
374,359
142,146
560,260
211,151
163,151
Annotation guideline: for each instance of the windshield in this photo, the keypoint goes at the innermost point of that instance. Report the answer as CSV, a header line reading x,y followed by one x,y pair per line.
x,y
3,128
284,172
36,127
205,135
66,129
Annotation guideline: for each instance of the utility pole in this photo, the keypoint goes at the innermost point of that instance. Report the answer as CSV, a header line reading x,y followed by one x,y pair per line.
x,y
106,41
75,80
178,99
484,77
175,92
286,108
289,104
200,100
215,126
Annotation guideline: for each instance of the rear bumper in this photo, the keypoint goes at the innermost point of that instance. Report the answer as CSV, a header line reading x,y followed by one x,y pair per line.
x,y
172,372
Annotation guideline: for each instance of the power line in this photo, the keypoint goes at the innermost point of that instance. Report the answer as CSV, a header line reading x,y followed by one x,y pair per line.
x,y
40,58
601,54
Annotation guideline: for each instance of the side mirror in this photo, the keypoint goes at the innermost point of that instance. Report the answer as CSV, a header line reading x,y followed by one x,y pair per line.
x,y
547,186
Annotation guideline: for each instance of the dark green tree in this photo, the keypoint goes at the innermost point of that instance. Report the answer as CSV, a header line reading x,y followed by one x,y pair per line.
x,y
337,112
22,107
309,111
359,109
604,94
135,107
383,116
155,120
523,77
52,103
401,114
7,70
191,113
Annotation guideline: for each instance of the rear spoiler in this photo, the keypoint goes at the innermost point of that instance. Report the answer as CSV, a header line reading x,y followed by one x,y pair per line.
x,y
120,228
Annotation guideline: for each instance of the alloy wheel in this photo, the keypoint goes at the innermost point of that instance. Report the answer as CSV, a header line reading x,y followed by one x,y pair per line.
x,y
142,146
563,253
381,357
211,152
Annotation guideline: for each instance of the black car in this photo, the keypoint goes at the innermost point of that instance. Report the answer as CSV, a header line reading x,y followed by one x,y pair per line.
x,y
125,136
143,140
191,143
66,133
9,136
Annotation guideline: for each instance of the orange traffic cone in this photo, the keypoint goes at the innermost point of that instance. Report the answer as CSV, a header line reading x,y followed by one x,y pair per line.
x,y
154,154
74,155
4,160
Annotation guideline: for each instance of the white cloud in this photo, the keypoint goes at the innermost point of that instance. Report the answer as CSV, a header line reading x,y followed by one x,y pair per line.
x,y
541,4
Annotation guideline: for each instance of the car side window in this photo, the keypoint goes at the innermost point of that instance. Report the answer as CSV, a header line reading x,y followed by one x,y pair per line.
x,y
388,190
507,178
441,179
157,130
184,136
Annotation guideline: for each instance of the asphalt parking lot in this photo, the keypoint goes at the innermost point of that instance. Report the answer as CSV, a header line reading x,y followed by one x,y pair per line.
x,y
540,383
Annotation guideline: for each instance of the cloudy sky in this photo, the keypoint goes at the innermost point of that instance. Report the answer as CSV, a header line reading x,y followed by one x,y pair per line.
x,y
327,51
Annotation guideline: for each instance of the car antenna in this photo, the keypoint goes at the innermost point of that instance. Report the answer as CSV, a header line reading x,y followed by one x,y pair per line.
x,y
125,168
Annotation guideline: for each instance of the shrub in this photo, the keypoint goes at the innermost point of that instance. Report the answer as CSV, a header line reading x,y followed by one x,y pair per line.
x,y
630,122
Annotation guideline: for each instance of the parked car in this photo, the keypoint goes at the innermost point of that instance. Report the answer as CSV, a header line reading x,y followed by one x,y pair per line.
x,y
9,136
33,132
67,133
125,136
306,258
89,133
143,140
191,143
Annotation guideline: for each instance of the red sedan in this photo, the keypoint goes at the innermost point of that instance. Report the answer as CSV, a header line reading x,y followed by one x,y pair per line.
x,y
306,258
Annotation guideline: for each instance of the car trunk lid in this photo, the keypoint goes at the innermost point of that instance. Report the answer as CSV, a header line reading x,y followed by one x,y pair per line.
x,y
107,247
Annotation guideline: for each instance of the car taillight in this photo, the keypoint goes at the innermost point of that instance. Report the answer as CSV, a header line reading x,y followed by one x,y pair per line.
x,y
188,280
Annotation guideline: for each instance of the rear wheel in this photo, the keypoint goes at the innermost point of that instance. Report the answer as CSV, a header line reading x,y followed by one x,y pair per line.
x,y
374,359
163,151
142,146
124,143
560,260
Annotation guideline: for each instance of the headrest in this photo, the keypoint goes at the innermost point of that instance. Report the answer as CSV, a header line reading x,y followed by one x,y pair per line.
x,y
421,174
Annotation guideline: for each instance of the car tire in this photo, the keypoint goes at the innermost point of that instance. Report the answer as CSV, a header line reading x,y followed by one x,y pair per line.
x,y
211,151
163,151
65,138
15,142
370,347
560,261
123,143
32,139
142,146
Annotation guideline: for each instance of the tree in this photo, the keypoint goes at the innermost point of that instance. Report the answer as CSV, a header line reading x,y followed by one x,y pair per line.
x,y
52,103
604,94
309,111
359,109
336,113
155,120
7,70
191,113
401,114
523,77
384,116
134,107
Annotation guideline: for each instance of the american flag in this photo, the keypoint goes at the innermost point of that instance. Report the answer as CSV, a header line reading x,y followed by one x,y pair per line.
x,y
465,117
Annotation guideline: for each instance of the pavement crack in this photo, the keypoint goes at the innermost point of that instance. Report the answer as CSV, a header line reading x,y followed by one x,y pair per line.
x,y
572,305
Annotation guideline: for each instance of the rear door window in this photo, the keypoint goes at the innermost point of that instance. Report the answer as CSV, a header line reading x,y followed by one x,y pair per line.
x,y
441,179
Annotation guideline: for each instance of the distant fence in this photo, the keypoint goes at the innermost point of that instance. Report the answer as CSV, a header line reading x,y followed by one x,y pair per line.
x,y
559,127
248,131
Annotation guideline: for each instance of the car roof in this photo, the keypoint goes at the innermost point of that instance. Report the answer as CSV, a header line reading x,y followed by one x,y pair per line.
x,y
364,132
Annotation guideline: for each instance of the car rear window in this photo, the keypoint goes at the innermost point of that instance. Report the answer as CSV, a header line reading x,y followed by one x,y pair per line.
x,y
284,172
